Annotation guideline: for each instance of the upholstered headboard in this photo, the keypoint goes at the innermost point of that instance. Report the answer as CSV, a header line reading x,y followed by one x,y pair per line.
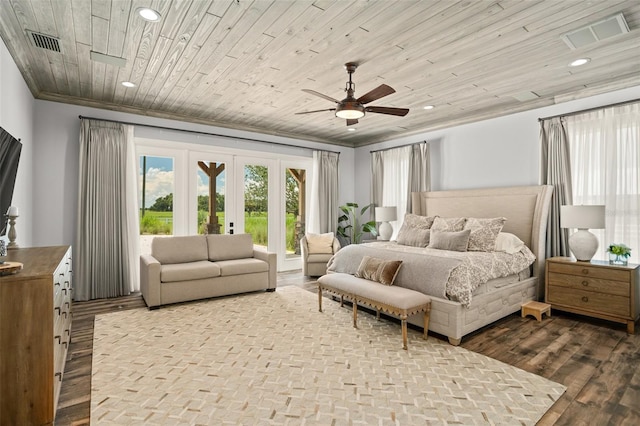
x,y
525,207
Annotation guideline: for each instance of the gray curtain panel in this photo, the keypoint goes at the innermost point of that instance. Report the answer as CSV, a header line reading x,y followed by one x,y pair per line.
x,y
555,169
377,178
419,170
327,175
102,255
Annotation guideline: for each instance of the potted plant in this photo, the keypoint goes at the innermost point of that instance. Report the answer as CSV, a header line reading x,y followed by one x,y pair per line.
x,y
350,230
618,254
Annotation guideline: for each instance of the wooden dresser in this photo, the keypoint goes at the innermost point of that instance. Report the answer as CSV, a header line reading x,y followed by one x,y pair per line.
x,y
594,288
35,328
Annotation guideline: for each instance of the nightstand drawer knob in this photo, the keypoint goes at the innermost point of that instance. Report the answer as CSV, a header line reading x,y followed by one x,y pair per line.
x,y
585,299
585,271
585,283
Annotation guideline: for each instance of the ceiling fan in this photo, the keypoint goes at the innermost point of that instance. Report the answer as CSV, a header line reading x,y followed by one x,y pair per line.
x,y
351,108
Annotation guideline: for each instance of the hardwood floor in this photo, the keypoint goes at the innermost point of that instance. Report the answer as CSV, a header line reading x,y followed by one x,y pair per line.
x,y
597,360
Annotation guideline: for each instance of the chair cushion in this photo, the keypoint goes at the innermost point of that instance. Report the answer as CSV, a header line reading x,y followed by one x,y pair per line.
x,y
188,271
179,249
319,258
226,247
320,243
242,266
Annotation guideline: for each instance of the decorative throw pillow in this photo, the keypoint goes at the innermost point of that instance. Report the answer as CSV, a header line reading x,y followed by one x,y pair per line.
x,y
320,243
508,243
378,270
484,233
419,222
449,224
453,241
415,237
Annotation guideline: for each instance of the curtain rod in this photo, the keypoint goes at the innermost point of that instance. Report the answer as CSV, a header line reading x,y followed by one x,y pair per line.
x,y
394,147
204,133
583,111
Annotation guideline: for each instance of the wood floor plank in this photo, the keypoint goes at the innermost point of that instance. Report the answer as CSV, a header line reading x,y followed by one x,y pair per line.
x,y
597,360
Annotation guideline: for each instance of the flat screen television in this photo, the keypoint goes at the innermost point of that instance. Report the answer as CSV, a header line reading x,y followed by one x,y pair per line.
x,y
10,148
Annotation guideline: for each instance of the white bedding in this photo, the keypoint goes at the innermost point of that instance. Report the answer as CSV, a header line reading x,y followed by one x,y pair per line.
x,y
475,269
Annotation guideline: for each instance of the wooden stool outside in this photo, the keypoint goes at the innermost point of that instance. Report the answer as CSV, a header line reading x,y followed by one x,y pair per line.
x,y
536,309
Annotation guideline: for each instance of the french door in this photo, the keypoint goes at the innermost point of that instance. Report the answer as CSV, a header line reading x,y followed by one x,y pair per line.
x,y
187,192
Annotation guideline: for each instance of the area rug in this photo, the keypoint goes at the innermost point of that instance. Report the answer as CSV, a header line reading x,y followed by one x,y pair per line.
x,y
273,359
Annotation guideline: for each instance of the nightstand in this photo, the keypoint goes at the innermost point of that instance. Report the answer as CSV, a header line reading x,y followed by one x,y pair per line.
x,y
595,289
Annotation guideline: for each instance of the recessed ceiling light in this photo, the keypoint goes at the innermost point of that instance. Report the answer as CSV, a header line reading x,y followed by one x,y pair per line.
x,y
351,129
429,107
128,84
579,62
148,14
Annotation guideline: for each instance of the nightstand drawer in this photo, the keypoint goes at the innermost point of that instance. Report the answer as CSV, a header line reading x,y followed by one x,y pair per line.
x,y
587,270
598,285
589,300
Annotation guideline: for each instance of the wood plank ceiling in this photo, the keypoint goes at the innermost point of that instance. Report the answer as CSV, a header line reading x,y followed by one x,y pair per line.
x,y
242,64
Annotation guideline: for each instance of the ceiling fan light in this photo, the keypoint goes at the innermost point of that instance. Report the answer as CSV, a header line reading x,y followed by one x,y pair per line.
x,y
350,114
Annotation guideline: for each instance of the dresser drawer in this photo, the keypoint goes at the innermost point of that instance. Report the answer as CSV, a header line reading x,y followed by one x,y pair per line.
x,y
589,300
588,270
590,283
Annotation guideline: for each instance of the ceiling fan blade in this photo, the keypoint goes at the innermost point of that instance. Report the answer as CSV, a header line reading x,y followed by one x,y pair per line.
x,y
313,92
377,93
351,122
387,110
318,110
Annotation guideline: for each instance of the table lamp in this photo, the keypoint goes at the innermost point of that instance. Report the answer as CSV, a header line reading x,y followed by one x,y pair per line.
x,y
385,215
583,244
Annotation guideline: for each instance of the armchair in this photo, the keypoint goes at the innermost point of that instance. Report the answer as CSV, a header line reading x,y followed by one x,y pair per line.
x,y
316,251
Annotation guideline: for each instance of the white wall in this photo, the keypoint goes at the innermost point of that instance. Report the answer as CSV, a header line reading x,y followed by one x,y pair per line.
x,y
498,152
16,117
57,127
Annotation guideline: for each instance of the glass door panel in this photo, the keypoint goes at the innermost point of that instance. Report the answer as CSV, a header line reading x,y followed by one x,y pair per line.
x,y
157,186
295,208
256,203
211,186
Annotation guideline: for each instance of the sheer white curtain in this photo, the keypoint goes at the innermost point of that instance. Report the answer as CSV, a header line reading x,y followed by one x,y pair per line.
x,y
106,253
323,215
392,173
605,161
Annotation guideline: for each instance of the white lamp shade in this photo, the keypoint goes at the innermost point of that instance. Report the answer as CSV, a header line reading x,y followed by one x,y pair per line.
x,y
386,214
582,217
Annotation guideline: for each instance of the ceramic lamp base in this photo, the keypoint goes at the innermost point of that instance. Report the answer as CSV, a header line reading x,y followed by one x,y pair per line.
x,y
583,245
385,230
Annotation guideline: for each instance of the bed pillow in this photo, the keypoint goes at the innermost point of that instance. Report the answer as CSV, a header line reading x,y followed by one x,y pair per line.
x,y
508,243
415,237
450,224
446,240
483,232
419,222
320,243
378,270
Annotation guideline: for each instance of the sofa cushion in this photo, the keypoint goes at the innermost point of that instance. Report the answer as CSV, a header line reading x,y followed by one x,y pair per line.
x,y
319,258
179,249
226,247
242,266
188,271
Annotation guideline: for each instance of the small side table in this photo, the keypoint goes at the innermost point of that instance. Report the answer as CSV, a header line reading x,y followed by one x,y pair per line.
x,y
536,309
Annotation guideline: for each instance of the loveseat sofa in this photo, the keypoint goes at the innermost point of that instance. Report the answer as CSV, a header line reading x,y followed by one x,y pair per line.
x,y
180,269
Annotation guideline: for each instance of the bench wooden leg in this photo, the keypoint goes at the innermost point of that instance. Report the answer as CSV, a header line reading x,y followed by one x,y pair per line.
x,y
355,314
404,333
319,298
341,301
427,313
378,314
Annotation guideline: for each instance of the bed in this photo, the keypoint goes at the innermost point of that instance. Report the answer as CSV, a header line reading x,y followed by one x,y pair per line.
x,y
525,209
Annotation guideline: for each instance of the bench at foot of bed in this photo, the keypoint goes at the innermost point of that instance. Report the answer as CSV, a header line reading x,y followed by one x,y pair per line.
x,y
398,301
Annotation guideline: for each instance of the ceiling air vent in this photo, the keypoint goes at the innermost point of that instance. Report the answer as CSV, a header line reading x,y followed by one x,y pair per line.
x,y
44,41
596,31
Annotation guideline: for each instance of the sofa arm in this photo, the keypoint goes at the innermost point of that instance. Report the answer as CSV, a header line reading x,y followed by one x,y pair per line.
x,y
272,260
150,280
